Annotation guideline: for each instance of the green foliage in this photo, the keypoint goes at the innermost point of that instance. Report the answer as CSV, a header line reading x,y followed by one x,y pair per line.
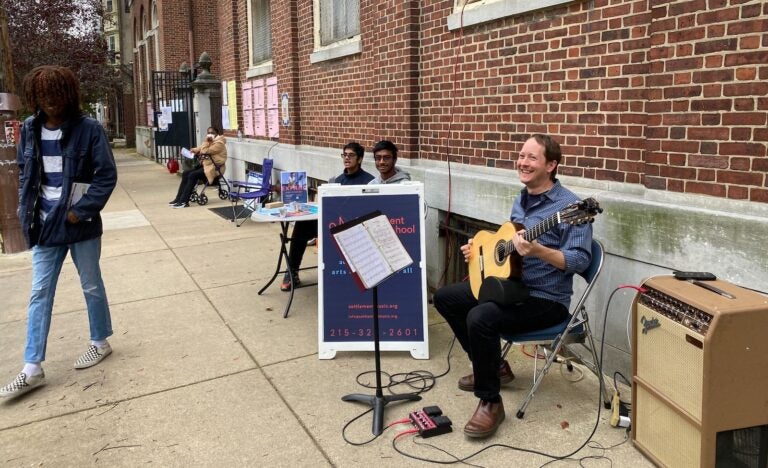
x,y
61,32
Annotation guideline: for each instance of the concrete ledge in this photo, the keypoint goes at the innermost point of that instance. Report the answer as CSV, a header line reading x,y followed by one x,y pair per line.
x,y
494,10
259,70
350,47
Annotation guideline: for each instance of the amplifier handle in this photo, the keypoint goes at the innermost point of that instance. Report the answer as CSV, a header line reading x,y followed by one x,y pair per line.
x,y
694,341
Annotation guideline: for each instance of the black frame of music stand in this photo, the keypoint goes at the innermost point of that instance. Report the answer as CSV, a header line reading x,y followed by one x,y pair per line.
x,y
377,401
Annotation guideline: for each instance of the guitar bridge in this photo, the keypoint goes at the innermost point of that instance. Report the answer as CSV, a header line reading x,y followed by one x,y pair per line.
x,y
481,261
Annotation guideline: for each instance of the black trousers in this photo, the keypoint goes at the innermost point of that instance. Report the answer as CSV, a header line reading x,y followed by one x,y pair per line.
x,y
478,327
303,231
188,182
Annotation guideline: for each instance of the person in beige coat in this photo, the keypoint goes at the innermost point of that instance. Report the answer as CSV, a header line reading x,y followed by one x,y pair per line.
x,y
213,153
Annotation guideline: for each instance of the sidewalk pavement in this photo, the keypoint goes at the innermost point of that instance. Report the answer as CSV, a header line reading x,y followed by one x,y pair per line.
x,y
207,373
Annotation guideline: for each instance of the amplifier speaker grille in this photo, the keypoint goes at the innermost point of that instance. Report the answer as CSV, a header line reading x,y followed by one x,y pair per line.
x,y
699,374
675,440
669,363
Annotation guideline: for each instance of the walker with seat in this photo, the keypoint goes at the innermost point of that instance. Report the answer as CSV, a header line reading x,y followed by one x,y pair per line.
x,y
219,181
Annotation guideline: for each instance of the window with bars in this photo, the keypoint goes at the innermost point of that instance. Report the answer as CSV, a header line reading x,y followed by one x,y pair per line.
x,y
109,7
260,31
339,19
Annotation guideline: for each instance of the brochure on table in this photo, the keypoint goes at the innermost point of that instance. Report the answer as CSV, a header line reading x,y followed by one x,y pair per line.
x,y
300,210
345,320
293,187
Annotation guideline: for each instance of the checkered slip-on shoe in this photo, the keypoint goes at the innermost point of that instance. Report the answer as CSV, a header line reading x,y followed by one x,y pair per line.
x,y
93,356
22,384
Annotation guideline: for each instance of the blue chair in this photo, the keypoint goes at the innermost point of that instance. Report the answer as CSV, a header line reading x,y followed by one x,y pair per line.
x,y
557,340
257,192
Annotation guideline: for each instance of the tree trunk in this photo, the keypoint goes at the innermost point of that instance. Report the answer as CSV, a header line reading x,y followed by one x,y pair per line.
x,y
7,82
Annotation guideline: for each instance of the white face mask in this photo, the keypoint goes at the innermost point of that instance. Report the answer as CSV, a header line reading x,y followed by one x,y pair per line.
x,y
211,136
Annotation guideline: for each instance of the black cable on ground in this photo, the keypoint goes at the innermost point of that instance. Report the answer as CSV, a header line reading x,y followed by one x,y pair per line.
x,y
457,459
419,380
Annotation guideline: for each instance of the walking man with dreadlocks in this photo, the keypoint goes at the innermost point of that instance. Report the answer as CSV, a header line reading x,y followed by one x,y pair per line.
x,y
60,150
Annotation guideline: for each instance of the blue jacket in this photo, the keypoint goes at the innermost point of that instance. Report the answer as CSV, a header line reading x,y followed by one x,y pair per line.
x,y
87,158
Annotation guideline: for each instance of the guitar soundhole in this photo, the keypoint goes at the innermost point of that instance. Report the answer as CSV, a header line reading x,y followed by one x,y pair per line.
x,y
499,253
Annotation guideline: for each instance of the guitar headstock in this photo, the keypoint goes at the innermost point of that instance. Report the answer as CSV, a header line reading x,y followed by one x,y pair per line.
x,y
581,212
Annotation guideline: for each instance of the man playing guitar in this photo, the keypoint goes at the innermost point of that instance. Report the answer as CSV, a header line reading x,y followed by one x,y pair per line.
x,y
548,265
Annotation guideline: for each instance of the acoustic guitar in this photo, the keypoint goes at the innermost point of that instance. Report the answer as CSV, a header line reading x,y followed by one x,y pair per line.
x,y
493,254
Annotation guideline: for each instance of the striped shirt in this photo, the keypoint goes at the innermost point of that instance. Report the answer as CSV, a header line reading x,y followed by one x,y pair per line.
x,y
544,280
50,187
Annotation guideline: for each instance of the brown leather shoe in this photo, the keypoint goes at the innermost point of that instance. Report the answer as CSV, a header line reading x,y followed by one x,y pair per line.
x,y
485,421
467,383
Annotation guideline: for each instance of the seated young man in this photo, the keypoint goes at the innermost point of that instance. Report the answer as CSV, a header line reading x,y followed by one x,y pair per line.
x,y
548,266
385,157
303,231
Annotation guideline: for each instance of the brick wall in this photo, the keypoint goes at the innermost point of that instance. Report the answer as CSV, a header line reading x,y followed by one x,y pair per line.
x,y
174,39
363,97
667,95
129,119
232,27
205,27
286,59
708,65
175,44
672,96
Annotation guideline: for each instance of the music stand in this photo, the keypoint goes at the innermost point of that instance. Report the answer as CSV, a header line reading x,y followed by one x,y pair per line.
x,y
367,250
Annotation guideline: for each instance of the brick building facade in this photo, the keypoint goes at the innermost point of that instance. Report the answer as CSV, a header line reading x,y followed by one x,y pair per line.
x,y
661,107
165,36
670,95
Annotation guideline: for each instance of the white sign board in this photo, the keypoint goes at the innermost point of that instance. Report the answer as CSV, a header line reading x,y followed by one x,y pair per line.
x,y
345,320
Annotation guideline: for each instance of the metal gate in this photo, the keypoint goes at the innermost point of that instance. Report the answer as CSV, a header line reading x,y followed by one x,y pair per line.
x,y
172,108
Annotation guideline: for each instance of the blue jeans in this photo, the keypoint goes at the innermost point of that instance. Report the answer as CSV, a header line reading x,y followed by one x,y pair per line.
x,y
46,267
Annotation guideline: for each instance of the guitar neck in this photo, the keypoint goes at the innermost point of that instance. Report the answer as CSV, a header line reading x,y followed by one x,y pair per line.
x,y
544,226
532,234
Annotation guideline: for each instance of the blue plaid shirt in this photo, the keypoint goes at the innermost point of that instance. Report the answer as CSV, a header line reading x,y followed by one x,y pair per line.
x,y
544,280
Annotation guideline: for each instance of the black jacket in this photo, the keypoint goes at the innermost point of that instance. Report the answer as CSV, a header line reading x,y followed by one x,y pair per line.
x,y
87,158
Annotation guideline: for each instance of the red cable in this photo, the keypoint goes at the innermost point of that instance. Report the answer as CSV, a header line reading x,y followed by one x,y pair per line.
x,y
401,421
450,131
538,356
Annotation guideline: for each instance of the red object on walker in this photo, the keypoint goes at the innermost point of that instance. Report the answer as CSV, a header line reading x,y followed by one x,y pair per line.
x,y
173,166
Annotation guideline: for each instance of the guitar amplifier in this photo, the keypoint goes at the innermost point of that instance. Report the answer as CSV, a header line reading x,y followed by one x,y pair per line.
x,y
700,374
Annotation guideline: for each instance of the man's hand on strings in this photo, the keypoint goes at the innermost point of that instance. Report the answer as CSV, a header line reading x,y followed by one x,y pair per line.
x,y
522,246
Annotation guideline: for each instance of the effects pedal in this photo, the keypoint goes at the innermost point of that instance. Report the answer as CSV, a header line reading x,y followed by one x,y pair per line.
x,y
430,421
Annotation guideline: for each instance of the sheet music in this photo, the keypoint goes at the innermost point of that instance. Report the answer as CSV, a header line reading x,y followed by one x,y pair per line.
x,y
363,256
388,242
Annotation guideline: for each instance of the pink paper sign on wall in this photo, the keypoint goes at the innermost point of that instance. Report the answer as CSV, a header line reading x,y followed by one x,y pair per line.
x,y
259,117
248,108
273,117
